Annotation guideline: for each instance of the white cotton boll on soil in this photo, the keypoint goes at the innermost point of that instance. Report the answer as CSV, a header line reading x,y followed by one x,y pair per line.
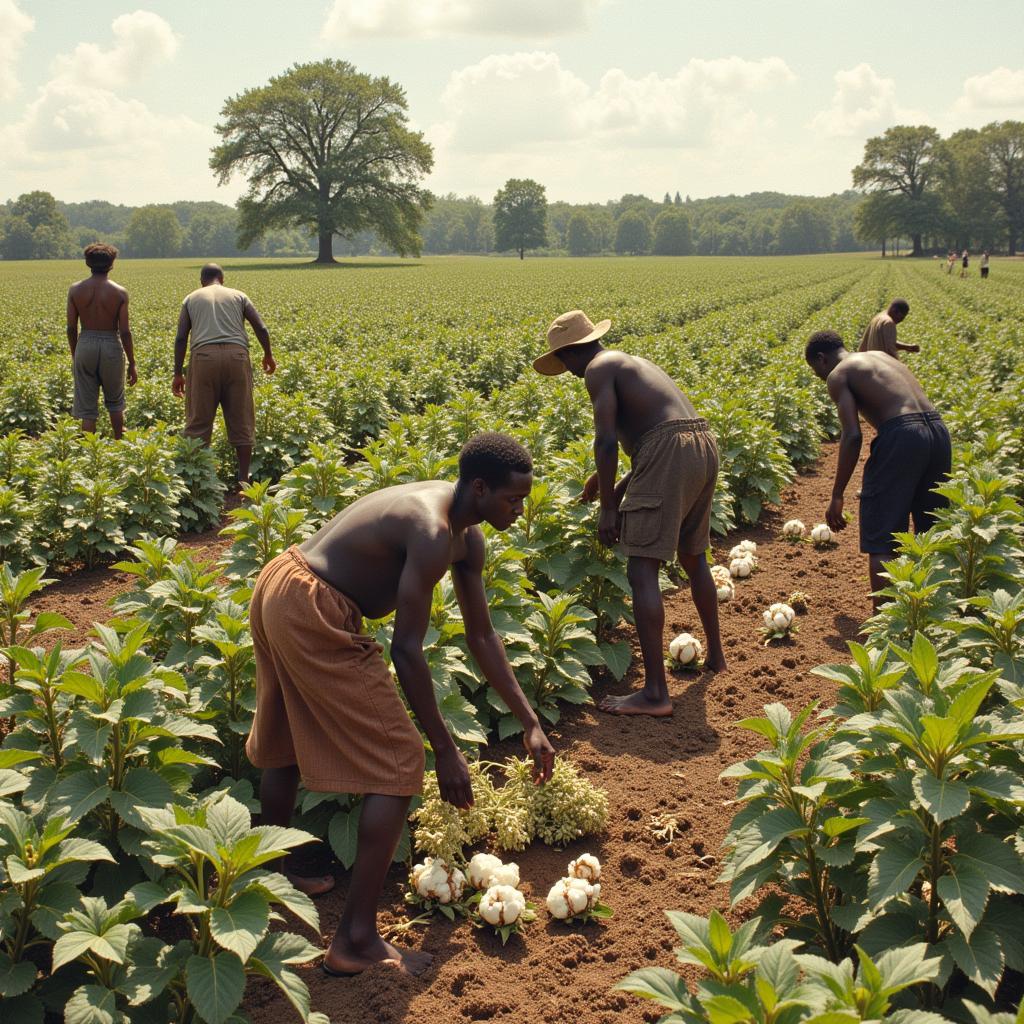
x,y
821,534
794,529
685,649
502,904
586,866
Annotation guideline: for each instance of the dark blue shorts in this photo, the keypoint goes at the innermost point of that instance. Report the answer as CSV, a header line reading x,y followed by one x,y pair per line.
x,y
910,457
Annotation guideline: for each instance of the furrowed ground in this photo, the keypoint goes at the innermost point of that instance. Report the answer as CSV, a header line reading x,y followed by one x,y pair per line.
x,y
385,368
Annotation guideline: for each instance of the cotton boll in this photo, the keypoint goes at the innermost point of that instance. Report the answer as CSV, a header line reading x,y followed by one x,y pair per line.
x,y
748,545
794,529
725,591
821,534
571,896
741,567
506,875
481,870
587,866
685,649
779,617
435,880
720,574
501,905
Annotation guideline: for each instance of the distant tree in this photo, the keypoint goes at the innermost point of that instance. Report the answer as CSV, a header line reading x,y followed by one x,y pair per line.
x,y
672,236
973,212
154,231
677,199
212,234
520,216
582,235
906,161
325,148
39,209
16,239
1004,145
876,219
804,228
667,201
632,233
51,235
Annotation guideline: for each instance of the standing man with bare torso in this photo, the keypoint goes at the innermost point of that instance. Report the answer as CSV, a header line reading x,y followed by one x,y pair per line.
x,y
98,356
661,509
880,333
910,457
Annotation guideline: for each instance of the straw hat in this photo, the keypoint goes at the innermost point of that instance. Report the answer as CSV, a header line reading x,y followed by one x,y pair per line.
x,y
572,328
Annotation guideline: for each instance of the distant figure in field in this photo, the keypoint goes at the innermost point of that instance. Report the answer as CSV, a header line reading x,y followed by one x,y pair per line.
x,y
98,356
964,260
950,260
909,458
984,264
880,333
327,710
662,507
219,371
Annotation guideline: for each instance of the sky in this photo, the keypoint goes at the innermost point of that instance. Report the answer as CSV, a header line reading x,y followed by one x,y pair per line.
x,y
593,98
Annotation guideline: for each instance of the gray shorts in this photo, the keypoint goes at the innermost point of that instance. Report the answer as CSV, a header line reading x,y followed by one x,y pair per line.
x,y
99,363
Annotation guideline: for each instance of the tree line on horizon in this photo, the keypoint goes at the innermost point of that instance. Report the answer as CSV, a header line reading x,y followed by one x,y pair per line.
x,y
328,155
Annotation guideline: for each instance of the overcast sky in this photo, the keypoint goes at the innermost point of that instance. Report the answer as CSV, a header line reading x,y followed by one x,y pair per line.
x,y
593,98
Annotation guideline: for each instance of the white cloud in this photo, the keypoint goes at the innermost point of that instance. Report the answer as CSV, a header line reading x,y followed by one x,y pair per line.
x,y
998,90
863,101
15,24
353,19
84,133
527,114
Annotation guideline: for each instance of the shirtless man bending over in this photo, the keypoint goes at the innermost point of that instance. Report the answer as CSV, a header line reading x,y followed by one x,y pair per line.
x,y
662,507
326,707
910,457
99,362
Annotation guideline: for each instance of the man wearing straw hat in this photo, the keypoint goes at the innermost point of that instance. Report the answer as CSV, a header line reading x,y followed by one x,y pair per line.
x,y
661,509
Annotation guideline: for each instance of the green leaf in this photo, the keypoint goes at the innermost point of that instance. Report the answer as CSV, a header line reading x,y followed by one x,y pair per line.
x,y
270,958
617,657
78,794
965,894
720,936
942,798
658,984
93,1004
998,784
24,1009
836,826
15,978
892,871
901,968
228,820
11,757
996,860
280,890
53,901
142,787
215,985
980,957
239,926
343,835
147,895
75,849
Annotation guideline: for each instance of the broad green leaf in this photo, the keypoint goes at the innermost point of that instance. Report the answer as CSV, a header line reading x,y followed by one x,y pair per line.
x,y
838,825
9,758
93,1004
270,959
910,965
15,978
979,957
658,984
239,926
996,860
617,656
54,900
75,849
78,794
215,985
343,835
893,871
720,936
965,894
942,798
228,820
280,890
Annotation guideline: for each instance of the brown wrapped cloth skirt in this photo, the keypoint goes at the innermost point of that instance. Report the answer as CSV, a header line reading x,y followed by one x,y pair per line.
x,y
325,699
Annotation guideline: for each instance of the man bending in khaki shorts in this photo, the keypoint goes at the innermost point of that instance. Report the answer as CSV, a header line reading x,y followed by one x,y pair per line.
x,y
327,709
98,356
662,507
219,371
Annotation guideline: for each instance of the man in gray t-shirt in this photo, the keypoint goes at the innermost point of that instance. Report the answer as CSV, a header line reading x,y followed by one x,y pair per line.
x,y
219,371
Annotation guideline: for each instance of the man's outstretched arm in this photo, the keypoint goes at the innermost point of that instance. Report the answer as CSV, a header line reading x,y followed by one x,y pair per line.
x,y
849,447
489,652
426,560
600,382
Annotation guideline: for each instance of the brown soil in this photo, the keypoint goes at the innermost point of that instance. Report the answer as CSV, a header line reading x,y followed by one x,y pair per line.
x,y
554,973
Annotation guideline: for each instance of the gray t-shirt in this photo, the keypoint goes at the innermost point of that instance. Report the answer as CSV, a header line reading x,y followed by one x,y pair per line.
x,y
217,314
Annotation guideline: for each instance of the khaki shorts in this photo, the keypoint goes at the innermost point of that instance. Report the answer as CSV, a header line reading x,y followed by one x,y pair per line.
x,y
219,373
325,699
99,363
667,505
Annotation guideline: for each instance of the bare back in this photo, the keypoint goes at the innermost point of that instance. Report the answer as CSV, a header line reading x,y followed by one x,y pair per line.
x,y
881,385
362,550
645,395
98,303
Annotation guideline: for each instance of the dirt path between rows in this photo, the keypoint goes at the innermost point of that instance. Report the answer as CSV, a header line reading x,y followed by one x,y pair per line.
x,y
557,974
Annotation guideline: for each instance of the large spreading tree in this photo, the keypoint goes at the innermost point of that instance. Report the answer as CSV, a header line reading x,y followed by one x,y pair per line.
x,y
1003,143
327,149
520,216
907,161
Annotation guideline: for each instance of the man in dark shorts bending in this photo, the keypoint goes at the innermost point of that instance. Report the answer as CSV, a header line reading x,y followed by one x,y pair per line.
x,y
98,355
661,508
327,709
910,457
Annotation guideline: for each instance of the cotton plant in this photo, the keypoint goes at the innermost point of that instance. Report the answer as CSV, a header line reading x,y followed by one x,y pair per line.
x,y
685,651
498,903
779,622
724,586
742,565
799,601
435,884
576,898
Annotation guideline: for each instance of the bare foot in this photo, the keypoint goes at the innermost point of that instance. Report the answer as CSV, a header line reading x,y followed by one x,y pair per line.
x,y
715,664
636,704
348,960
315,886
